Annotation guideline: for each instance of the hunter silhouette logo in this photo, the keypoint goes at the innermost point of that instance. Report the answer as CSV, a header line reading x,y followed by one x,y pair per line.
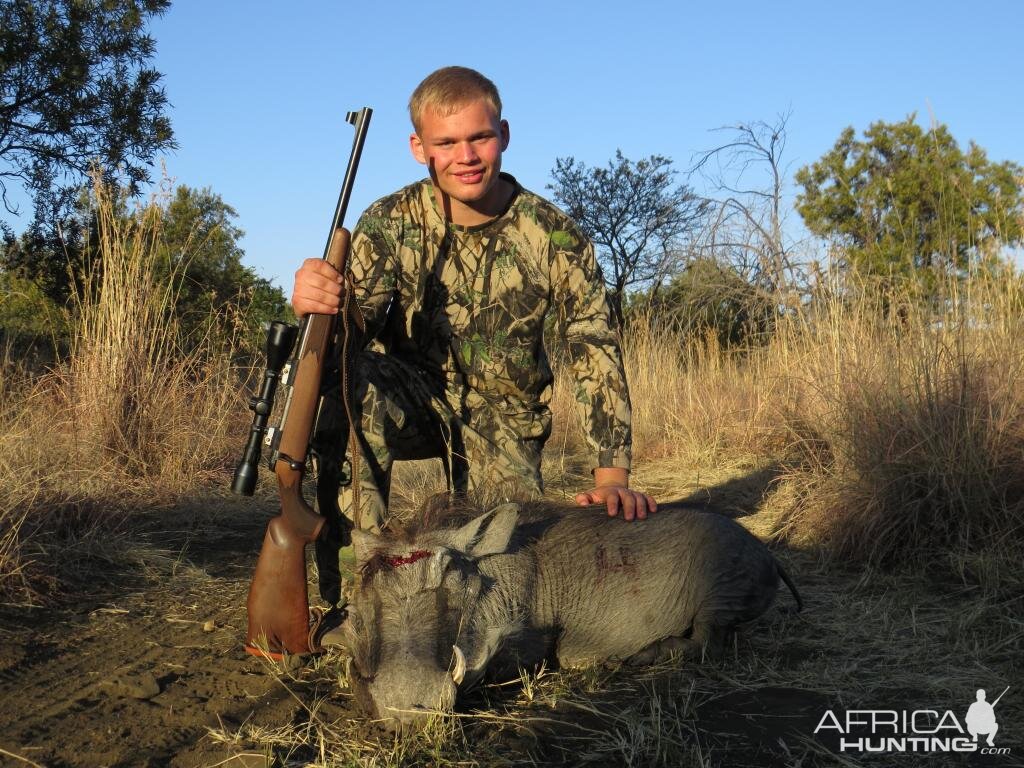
x,y
916,730
981,717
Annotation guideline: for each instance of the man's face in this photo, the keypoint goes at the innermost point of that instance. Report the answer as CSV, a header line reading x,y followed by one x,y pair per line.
x,y
463,151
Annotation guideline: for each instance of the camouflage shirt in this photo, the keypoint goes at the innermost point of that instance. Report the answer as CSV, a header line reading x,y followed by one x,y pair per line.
x,y
467,307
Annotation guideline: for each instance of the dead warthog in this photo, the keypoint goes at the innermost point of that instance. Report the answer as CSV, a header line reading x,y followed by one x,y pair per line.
x,y
436,608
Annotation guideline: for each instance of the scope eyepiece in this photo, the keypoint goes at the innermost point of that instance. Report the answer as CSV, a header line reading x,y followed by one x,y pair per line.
x,y
244,483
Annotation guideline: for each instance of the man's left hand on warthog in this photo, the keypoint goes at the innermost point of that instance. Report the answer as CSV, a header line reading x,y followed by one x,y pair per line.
x,y
435,609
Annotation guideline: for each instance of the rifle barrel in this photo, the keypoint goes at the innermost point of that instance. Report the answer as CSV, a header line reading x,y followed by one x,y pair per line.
x,y
361,121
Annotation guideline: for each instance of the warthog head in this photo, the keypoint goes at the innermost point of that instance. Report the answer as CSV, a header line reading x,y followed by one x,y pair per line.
x,y
424,619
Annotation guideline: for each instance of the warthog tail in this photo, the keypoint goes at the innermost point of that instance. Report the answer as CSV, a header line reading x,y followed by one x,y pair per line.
x,y
792,587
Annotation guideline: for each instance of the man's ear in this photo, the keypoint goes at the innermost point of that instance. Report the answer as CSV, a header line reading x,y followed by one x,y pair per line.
x,y
505,135
417,149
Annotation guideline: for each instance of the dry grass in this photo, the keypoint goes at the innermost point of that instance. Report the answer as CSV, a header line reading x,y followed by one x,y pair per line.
x,y
696,403
908,430
149,410
124,422
894,433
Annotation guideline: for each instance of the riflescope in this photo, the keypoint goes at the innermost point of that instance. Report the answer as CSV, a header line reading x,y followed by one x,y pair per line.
x,y
280,341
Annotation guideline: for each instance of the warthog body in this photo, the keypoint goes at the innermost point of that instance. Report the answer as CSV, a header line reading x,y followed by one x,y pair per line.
x,y
522,584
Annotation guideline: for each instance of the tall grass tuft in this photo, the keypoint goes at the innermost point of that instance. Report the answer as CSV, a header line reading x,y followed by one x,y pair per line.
x,y
908,431
143,407
693,400
125,420
895,426
898,424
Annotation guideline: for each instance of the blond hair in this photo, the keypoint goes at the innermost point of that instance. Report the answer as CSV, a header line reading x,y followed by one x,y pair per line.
x,y
448,89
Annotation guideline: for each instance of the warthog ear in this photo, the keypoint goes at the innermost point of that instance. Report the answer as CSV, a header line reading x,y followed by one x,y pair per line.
x,y
489,533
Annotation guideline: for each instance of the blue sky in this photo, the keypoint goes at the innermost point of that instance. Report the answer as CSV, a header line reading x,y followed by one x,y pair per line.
x,y
259,89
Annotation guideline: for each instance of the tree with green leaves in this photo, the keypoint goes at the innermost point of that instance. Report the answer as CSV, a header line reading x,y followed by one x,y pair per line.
x,y
29,319
198,252
200,249
904,202
712,297
76,90
634,214
52,258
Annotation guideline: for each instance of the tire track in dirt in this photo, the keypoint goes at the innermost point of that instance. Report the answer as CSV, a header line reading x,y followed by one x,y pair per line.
x,y
73,679
81,690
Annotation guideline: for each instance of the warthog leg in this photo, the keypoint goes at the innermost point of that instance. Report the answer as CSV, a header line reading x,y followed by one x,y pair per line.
x,y
707,641
656,652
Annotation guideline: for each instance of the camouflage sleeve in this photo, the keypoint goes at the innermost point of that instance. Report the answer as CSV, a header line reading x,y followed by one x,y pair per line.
x,y
373,265
595,358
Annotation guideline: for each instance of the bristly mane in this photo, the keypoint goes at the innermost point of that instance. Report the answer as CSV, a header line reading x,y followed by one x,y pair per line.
x,y
440,511
443,510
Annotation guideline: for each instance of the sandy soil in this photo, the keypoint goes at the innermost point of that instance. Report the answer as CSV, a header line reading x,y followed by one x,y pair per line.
x,y
136,669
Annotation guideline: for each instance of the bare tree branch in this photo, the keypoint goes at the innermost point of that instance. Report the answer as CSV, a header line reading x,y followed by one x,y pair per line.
x,y
751,213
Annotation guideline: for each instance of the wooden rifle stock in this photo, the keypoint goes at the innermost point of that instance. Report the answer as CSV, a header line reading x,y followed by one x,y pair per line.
x,y
278,602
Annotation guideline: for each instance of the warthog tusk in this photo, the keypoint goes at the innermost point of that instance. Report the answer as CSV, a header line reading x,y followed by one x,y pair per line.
x,y
460,665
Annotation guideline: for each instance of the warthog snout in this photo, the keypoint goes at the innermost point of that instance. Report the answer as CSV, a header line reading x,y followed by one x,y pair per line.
x,y
404,697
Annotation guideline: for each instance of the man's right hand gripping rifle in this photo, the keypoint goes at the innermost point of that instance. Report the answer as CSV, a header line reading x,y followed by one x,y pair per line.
x,y
318,289
278,604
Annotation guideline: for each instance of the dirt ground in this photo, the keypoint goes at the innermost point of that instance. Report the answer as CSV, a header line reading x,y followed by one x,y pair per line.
x,y
136,669
144,666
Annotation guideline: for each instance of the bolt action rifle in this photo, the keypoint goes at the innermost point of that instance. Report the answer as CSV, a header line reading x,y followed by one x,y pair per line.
x,y
278,605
